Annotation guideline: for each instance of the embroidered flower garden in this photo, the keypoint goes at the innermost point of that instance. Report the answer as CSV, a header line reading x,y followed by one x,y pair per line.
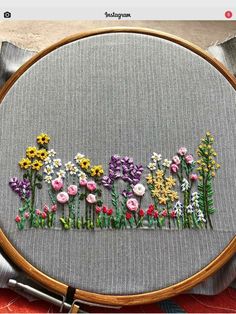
x,y
181,190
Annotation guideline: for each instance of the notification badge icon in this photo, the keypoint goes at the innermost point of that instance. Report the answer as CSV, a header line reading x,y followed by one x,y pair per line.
x,y
228,14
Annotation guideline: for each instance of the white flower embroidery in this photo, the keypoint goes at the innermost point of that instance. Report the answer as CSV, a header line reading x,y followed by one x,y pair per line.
x,y
48,170
71,168
48,179
185,185
78,157
178,208
152,166
61,174
82,175
69,165
57,163
51,153
190,209
166,163
156,157
74,170
139,189
200,216
47,161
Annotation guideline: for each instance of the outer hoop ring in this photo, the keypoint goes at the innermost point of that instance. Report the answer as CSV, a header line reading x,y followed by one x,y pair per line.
x,y
143,298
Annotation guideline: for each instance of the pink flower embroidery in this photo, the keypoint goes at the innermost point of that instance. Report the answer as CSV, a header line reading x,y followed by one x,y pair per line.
x,y
189,159
62,197
193,177
91,186
18,219
176,160
38,212
57,184
44,215
45,208
182,151
72,190
83,182
174,168
54,208
91,199
27,215
132,204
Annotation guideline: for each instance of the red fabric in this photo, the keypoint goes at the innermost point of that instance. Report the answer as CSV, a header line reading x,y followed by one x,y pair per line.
x,y
225,302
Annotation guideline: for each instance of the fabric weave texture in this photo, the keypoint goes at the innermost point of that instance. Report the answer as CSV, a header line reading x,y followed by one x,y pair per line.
x,y
128,94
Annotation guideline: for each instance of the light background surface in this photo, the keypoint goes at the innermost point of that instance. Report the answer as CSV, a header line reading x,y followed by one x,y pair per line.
x,y
37,35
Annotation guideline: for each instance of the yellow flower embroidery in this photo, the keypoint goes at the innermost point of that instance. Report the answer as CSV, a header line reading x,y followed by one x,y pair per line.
x,y
170,181
173,196
158,184
155,193
149,179
160,174
42,154
25,163
165,192
97,171
31,152
162,200
84,163
43,138
37,164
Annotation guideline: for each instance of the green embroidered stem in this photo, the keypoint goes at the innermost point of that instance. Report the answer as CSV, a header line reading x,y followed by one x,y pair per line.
x,y
168,215
186,203
207,193
32,183
115,200
52,196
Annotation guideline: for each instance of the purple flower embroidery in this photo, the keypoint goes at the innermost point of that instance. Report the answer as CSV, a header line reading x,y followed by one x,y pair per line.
x,y
20,187
122,168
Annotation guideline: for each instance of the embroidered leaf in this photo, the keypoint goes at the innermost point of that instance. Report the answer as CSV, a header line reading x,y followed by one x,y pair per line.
x,y
99,202
82,196
39,177
98,192
38,185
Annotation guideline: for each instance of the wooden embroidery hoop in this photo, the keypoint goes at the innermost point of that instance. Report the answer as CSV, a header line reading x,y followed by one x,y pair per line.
x,y
149,297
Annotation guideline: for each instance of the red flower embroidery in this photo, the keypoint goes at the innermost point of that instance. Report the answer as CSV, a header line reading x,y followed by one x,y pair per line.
x,y
141,212
151,207
173,214
128,216
104,209
164,213
98,209
109,212
155,214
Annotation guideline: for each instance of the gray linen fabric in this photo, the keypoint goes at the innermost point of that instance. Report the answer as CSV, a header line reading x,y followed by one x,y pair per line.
x,y
11,58
128,94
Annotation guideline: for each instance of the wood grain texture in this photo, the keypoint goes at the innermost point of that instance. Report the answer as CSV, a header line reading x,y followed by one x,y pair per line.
x,y
149,297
